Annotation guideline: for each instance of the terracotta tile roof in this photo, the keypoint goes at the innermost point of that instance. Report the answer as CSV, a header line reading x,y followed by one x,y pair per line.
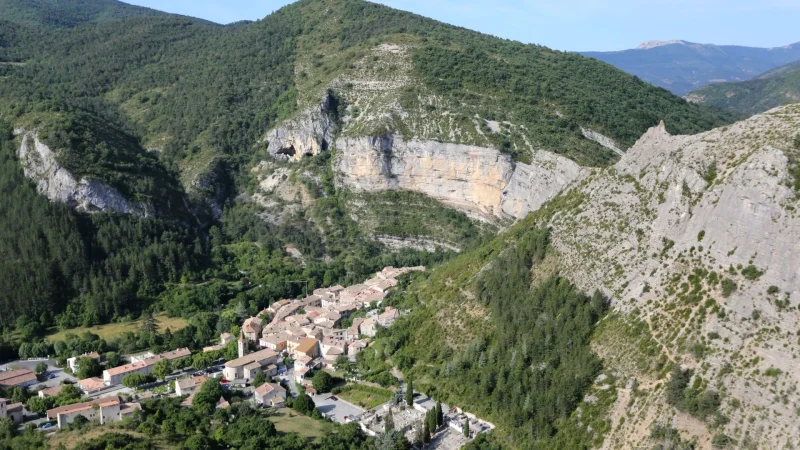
x,y
260,355
306,345
175,354
16,377
52,391
91,384
266,388
76,407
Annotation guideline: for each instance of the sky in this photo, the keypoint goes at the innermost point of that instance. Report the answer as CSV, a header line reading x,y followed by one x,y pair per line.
x,y
573,25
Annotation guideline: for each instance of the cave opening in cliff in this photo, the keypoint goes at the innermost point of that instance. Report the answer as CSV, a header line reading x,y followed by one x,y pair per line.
x,y
287,151
324,145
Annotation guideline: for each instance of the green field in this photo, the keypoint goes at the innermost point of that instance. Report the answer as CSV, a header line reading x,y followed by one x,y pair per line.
x,y
367,397
111,330
290,421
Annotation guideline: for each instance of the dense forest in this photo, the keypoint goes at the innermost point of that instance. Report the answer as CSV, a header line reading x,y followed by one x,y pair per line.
x,y
528,369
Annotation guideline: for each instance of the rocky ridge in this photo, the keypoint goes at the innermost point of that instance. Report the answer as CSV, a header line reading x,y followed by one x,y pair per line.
x,y
59,185
696,239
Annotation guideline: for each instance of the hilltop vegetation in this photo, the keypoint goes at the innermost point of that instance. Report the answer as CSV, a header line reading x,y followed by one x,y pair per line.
x,y
774,88
68,14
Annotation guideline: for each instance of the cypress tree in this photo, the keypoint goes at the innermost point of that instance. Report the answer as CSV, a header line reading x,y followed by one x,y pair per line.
x,y
439,414
388,422
410,392
466,428
426,433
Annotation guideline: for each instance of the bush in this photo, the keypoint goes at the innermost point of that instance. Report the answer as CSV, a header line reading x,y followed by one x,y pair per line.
x,y
728,286
751,272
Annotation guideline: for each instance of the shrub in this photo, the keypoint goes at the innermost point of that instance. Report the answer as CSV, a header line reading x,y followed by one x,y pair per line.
x,y
751,272
728,286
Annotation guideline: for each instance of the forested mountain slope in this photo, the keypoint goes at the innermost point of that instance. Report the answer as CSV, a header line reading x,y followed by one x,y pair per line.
x,y
776,87
171,118
694,241
682,66
70,13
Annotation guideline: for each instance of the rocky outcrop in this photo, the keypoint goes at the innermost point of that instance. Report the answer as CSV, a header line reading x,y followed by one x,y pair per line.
x,y
59,185
308,133
661,230
601,139
477,180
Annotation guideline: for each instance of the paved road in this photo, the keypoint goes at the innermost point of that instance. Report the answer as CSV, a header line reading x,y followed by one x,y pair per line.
x,y
336,409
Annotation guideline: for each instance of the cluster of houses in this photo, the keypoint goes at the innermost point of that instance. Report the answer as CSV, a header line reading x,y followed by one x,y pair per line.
x,y
309,330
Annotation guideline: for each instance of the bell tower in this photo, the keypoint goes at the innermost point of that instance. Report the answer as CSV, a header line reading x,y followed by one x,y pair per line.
x,y
242,344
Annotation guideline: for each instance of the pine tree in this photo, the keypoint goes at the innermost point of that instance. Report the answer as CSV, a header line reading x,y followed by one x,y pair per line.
x,y
410,392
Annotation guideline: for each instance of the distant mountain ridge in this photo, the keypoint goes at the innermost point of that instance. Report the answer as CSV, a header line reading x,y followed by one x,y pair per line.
x,y
682,66
779,86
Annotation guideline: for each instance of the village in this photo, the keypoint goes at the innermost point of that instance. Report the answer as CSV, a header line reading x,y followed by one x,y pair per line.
x,y
284,346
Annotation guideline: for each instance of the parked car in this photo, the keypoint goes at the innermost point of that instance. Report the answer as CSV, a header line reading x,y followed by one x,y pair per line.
x,y
47,425
51,376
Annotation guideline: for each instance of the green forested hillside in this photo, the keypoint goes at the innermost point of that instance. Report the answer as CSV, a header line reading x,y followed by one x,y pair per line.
x,y
172,111
777,87
497,333
69,13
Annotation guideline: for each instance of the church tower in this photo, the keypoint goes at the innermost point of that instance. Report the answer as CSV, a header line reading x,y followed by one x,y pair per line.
x,y
242,344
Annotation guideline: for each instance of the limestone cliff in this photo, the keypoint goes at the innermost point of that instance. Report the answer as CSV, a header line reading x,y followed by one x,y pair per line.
x,y
59,185
474,179
307,134
698,238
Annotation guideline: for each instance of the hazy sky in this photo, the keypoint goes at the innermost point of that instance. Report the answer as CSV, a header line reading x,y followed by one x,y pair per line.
x,y
569,24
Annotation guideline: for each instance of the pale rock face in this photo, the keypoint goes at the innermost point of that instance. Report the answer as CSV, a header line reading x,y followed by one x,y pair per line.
x,y
309,133
59,185
658,216
474,179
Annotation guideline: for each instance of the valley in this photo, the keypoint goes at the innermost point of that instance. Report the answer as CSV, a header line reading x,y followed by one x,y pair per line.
x,y
349,226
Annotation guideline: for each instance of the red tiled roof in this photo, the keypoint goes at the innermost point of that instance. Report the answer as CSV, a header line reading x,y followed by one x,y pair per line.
x,y
16,377
100,402
52,391
91,384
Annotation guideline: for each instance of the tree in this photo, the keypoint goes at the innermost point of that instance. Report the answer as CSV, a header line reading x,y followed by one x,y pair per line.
x,y
410,392
41,368
149,323
162,368
78,423
388,422
202,360
304,404
439,414
466,428
39,405
135,380
392,440
206,399
88,367
7,429
322,381
113,359
426,432
260,379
